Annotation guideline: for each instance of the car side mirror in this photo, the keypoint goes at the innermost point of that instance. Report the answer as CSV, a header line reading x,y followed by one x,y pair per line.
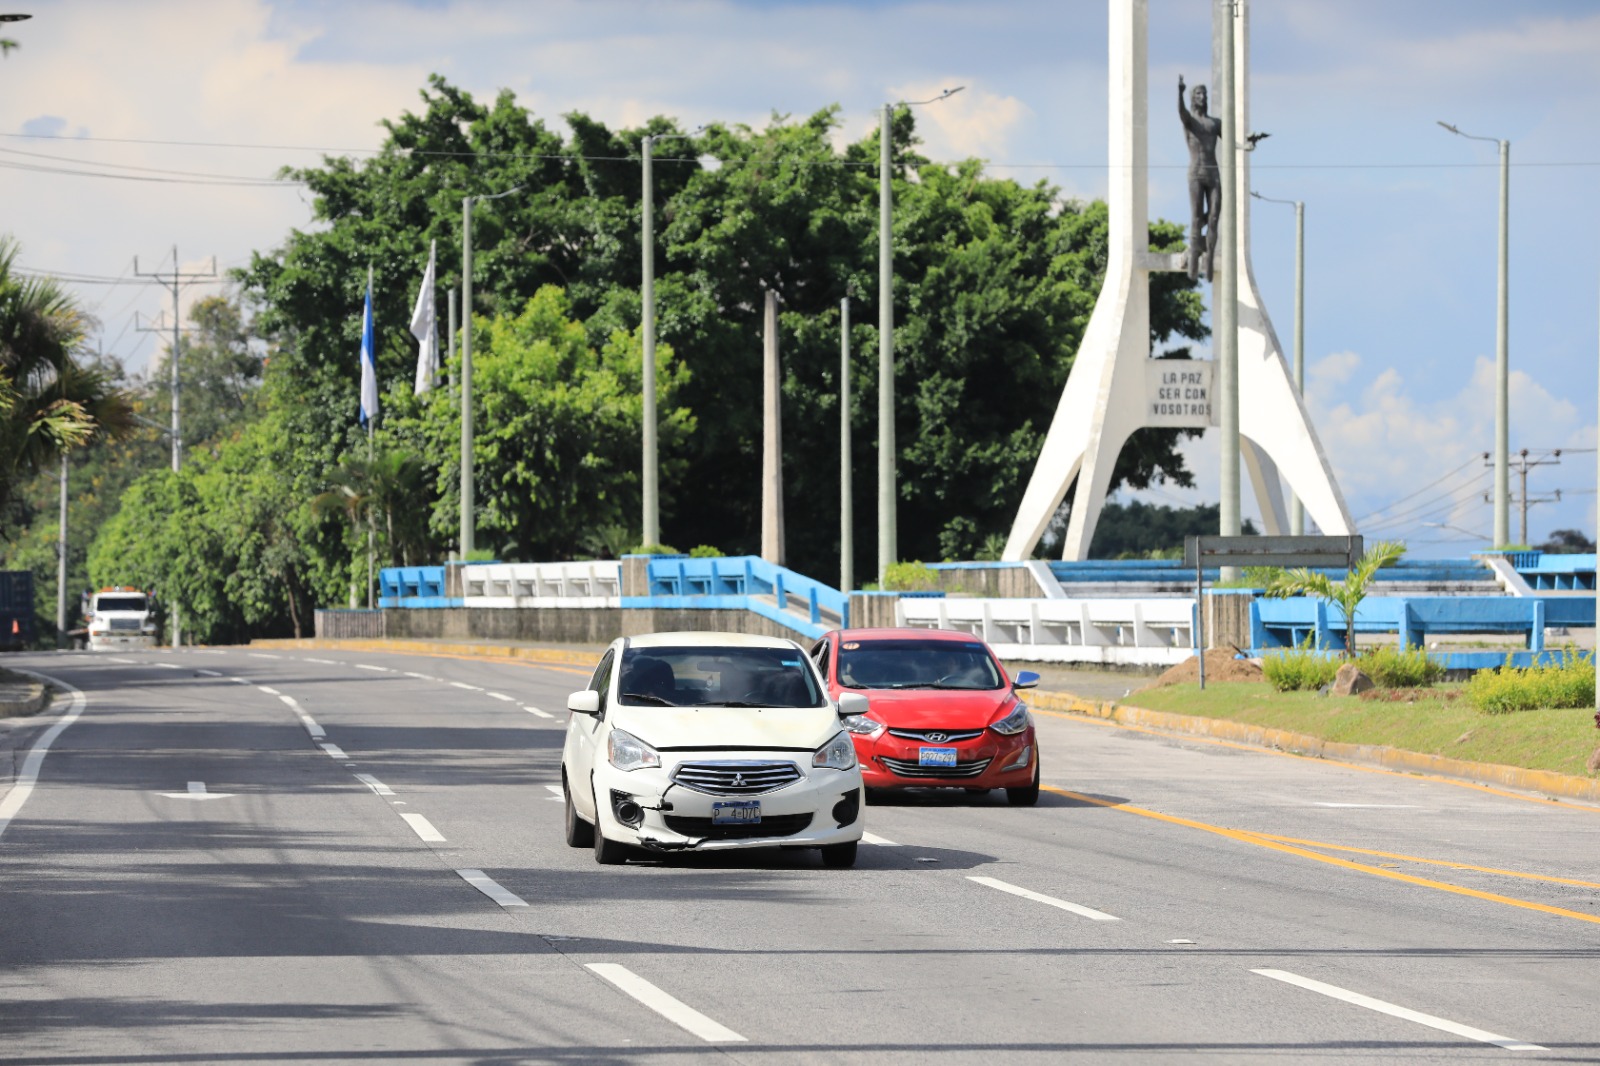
x,y
852,704
1026,679
584,701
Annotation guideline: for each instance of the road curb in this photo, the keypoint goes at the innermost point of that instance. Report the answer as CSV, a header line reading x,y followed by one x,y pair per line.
x,y
1544,782
29,700
1541,781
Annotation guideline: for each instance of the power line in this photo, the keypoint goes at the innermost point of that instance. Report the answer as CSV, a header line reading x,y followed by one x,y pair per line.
x,y
1423,489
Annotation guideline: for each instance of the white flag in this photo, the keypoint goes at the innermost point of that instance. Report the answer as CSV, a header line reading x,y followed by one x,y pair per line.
x,y
424,328
369,364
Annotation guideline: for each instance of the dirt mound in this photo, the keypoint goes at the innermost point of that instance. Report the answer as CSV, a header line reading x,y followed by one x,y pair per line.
x,y
1220,666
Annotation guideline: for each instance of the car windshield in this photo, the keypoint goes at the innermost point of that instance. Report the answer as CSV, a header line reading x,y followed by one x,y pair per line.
x,y
917,664
119,603
717,677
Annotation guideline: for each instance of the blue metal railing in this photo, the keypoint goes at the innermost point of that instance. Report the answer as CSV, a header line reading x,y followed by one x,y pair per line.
x,y
413,586
743,582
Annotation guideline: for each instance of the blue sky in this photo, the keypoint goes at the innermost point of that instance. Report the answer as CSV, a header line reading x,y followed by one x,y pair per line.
x,y
1400,216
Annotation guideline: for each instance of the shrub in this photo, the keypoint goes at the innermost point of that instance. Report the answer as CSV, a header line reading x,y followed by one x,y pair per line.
x,y
910,577
1568,683
652,549
1299,668
706,551
1390,667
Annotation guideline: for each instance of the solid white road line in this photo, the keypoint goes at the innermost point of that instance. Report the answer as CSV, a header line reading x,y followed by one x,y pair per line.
x,y
873,838
487,885
673,1010
1390,1009
1075,908
537,711
423,828
379,669
30,766
469,688
334,750
501,696
373,783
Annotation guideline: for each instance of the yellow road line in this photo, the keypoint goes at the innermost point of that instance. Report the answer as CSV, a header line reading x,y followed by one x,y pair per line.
x,y
1288,849
1429,862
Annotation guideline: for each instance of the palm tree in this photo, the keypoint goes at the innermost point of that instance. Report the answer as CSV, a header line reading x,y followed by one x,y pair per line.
x,y
50,400
1348,593
390,486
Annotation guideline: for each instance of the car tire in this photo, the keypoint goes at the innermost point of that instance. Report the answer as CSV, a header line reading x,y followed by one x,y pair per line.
x,y
839,856
1028,795
580,834
607,852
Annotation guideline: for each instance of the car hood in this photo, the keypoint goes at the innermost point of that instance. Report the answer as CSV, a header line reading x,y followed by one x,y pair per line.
x,y
742,728
936,708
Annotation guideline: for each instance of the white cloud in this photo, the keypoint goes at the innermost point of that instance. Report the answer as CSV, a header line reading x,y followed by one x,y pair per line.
x,y
973,122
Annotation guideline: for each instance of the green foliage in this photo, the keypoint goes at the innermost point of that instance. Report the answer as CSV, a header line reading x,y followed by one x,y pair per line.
x,y
1392,667
218,374
1347,593
480,555
1292,669
1138,530
910,577
705,551
1567,542
1568,683
994,548
653,549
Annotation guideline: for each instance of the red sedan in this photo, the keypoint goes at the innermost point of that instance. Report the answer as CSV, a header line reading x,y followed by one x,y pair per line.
x,y
944,714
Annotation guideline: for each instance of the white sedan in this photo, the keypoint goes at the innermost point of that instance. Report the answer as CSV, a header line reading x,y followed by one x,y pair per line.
x,y
705,741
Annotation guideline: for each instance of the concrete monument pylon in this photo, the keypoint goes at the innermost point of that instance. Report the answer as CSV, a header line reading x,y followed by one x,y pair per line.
x,y
1115,387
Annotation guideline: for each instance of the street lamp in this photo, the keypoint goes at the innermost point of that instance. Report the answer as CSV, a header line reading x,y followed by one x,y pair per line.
x,y
1458,529
650,482
1502,404
467,529
1297,510
888,549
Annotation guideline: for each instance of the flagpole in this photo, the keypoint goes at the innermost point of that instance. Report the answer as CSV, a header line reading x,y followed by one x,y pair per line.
x,y
370,421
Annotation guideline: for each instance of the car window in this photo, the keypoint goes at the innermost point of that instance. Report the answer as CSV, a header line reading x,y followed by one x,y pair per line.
x,y
912,663
717,677
601,681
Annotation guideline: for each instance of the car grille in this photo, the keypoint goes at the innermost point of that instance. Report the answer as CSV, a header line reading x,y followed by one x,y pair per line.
x,y
909,768
779,825
123,623
736,778
936,736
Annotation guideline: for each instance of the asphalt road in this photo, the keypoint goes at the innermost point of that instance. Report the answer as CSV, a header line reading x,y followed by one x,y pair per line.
x,y
302,857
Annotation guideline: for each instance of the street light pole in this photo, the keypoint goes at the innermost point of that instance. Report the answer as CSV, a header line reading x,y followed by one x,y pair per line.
x,y
888,534
1502,361
467,521
1297,509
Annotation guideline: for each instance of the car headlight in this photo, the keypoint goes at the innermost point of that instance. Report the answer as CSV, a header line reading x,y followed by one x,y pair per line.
x,y
1015,722
837,754
627,752
862,726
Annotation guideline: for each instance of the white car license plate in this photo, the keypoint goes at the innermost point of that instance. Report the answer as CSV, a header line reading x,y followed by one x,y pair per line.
x,y
936,756
736,812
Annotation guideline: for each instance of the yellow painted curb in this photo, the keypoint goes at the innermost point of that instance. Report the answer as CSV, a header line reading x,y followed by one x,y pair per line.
x,y
1542,781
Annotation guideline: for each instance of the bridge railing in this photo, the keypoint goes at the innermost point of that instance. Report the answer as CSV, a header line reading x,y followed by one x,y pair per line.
x,y
743,582
1143,632
1296,621
579,584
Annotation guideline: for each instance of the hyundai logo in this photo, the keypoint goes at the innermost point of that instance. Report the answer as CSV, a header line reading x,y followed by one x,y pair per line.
x,y
936,738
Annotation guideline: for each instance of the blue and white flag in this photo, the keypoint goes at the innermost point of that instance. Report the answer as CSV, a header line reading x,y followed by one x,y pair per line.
x,y
369,363
424,327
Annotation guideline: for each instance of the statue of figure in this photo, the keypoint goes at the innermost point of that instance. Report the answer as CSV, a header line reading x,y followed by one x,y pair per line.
x,y
1205,183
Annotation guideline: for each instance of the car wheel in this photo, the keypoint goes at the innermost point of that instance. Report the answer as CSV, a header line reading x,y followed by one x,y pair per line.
x,y
1028,795
580,834
607,852
839,856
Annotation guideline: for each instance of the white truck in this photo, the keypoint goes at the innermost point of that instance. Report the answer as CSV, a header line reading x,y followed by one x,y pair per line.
x,y
120,617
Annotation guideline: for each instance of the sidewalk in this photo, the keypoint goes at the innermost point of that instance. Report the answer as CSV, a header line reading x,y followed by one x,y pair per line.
x,y
1080,694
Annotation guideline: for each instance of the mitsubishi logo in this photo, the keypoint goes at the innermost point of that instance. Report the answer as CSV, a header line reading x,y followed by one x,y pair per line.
x,y
738,780
936,738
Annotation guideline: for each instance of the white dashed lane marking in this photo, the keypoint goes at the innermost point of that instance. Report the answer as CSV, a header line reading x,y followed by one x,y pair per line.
x,y
208,673
269,691
873,838
125,662
501,696
262,655
1394,1011
674,1010
1051,901
537,711
334,750
469,688
373,783
559,797
168,666
326,662
423,828
489,887
379,669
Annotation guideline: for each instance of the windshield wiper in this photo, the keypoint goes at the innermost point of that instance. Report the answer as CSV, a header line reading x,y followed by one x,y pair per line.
x,y
647,696
734,703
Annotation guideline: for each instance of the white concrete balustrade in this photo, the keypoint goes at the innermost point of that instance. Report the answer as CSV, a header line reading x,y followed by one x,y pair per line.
x,y
1127,632
592,584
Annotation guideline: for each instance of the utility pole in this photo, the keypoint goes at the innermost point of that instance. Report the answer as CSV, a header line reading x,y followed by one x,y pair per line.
x,y
1525,461
61,563
176,283
847,542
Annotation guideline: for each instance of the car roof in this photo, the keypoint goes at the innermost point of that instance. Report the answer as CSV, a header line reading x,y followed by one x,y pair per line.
x,y
701,639
909,633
